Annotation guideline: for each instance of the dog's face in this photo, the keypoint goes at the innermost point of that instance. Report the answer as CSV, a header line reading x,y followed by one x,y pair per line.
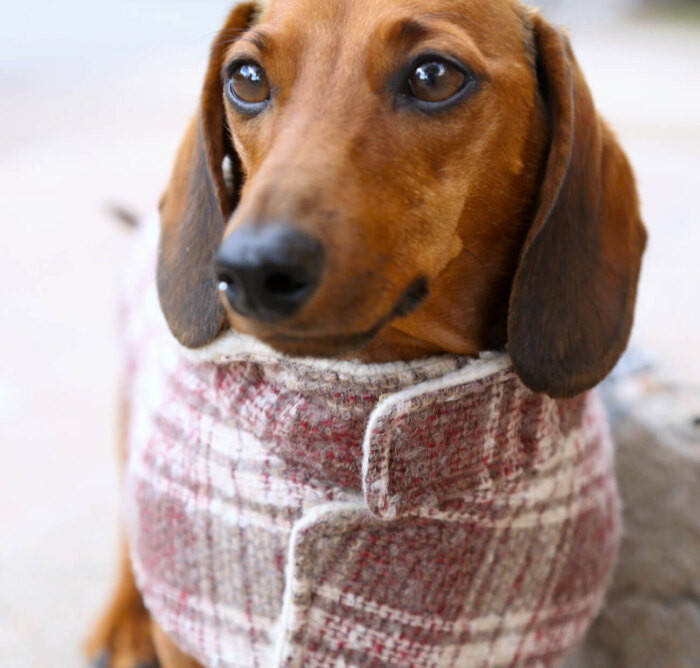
x,y
408,178
407,143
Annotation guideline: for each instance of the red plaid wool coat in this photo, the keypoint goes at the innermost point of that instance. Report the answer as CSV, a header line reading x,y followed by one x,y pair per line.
x,y
292,513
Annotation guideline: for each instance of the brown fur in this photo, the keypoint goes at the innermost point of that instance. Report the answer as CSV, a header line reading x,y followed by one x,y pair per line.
x,y
517,207
572,303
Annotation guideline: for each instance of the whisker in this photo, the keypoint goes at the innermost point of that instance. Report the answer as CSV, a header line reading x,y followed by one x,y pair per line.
x,y
203,37
476,257
209,35
228,41
225,42
234,33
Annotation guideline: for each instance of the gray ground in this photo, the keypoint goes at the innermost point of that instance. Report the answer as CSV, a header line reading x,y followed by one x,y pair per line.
x,y
93,98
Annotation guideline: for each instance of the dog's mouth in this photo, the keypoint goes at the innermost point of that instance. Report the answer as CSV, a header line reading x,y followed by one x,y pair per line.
x,y
334,345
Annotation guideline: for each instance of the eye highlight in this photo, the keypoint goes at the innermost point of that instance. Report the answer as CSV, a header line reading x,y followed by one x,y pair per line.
x,y
436,81
433,83
248,87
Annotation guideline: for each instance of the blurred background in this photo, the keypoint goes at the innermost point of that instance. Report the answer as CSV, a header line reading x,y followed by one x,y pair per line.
x,y
93,99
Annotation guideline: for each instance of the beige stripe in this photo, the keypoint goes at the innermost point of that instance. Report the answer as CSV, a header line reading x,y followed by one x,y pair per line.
x,y
235,616
495,411
543,489
277,490
227,511
283,494
528,520
511,620
569,477
501,652
566,476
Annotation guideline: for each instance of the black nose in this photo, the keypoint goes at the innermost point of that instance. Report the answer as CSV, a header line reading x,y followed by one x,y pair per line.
x,y
269,272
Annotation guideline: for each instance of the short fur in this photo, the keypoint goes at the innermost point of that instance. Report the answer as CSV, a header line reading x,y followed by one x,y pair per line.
x,y
518,208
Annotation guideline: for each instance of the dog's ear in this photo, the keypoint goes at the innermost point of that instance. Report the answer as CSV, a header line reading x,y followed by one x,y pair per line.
x,y
196,204
572,302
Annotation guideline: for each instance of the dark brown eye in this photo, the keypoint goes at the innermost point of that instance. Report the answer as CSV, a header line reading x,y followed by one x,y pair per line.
x,y
436,81
248,84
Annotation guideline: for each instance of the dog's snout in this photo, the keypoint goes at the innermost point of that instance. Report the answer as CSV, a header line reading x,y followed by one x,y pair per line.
x,y
268,273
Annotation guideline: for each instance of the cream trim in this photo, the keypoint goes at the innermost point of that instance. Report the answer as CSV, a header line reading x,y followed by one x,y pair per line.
x,y
284,625
233,346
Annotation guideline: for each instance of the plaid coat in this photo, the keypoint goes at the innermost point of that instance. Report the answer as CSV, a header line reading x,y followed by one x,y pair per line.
x,y
292,513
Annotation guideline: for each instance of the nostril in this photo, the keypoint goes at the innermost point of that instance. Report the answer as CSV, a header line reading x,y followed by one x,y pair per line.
x,y
224,273
285,284
226,286
228,281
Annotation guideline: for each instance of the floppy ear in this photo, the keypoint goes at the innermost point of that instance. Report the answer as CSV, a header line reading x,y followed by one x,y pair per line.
x,y
196,205
573,296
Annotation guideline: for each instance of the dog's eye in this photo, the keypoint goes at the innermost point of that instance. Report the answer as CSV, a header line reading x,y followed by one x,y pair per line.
x,y
248,84
436,81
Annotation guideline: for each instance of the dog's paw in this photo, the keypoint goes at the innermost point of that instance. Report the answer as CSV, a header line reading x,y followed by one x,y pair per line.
x,y
108,660
123,637
104,660
130,646
100,661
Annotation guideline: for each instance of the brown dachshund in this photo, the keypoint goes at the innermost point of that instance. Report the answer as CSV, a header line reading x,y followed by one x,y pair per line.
x,y
390,180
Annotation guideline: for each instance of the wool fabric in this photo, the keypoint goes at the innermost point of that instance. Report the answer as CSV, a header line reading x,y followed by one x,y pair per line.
x,y
312,514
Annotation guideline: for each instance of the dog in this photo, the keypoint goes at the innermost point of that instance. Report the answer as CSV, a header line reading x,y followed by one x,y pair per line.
x,y
389,182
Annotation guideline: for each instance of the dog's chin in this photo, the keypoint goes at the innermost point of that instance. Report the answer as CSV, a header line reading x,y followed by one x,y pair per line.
x,y
334,345
310,343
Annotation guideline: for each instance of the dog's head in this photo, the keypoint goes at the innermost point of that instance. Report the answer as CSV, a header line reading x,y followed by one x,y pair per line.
x,y
404,177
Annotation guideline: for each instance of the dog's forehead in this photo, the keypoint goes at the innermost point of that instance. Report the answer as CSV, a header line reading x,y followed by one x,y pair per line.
x,y
493,23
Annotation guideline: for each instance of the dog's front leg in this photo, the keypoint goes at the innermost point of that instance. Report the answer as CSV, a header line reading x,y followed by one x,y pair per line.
x,y
122,637
125,636
168,654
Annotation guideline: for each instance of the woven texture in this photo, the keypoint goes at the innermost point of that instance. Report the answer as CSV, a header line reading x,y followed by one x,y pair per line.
x,y
291,513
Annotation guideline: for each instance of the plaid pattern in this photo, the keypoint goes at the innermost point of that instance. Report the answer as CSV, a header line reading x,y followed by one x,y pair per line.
x,y
309,514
